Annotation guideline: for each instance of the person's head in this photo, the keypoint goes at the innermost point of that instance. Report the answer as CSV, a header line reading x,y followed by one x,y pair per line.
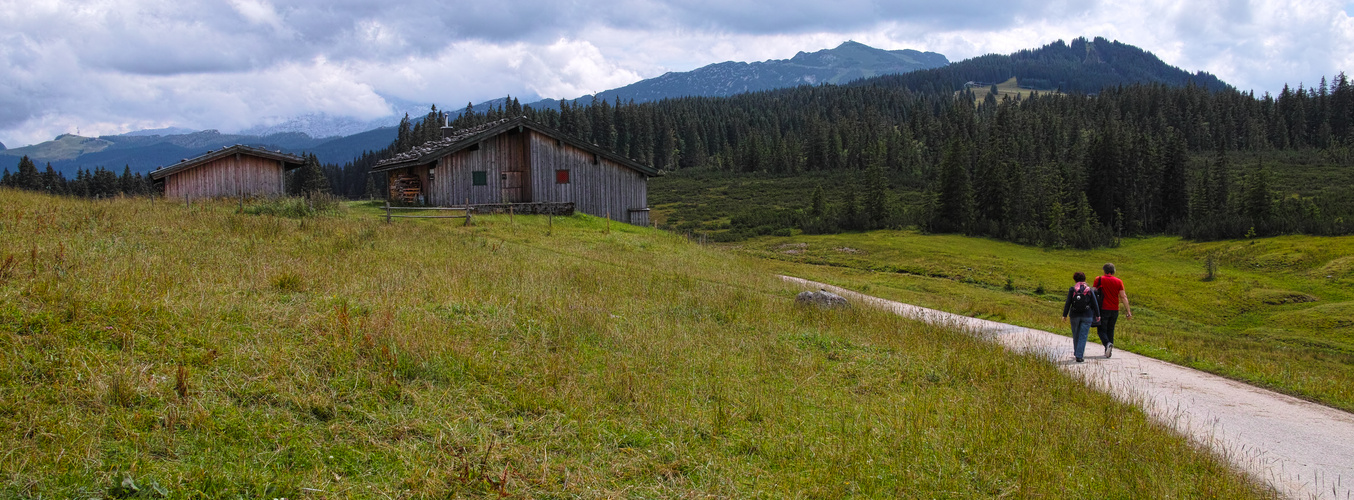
x,y
1109,269
1079,277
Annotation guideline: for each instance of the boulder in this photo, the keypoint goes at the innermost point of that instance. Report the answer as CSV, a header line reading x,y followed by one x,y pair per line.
x,y
821,298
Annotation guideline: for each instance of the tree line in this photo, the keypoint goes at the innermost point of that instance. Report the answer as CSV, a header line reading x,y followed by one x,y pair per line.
x,y
97,183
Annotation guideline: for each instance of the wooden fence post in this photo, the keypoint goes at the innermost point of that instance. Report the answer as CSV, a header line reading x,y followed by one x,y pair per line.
x,y
510,221
387,211
550,231
608,222
467,211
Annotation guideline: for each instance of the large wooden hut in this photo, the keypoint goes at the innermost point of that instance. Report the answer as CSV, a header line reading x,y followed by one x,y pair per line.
x,y
517,160
228,172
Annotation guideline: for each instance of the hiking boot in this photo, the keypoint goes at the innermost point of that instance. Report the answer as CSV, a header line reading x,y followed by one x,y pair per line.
x,y
1079,360
1109,350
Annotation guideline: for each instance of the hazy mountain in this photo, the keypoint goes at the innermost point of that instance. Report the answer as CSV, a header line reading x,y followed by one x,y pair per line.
x,y
159,131
2,146
143,153
324,125
849,61
64,147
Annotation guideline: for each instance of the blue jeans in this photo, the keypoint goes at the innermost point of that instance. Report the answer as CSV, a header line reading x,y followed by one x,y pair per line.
x,y
1081,328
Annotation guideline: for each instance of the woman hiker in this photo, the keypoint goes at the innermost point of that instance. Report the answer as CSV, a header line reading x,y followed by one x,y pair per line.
x,y
1082,307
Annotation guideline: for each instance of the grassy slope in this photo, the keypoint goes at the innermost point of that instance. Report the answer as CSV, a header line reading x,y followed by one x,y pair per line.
x,y
430,359
1280,314
1009,88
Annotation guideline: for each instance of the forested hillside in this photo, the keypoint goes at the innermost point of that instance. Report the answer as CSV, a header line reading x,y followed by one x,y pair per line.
x,y
1179,154
1061,170
1084,66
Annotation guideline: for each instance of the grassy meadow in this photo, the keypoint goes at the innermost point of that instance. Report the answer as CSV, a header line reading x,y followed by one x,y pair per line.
x,y
1007,89
153,350
1279,312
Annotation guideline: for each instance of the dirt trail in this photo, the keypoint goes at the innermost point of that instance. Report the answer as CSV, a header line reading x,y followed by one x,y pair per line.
x,y
1303,449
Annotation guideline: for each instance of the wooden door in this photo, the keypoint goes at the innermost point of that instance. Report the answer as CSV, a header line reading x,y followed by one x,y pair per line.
x,y
512,187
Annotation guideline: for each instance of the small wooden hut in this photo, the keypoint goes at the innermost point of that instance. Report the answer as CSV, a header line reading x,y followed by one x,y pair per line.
x,y
519,161
228,172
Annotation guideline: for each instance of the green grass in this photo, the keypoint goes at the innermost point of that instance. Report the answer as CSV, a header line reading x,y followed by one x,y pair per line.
x,y
195,352
1279,314
1009,88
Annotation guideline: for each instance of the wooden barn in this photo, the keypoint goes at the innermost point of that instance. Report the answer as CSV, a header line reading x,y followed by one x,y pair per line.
x,y
516,160
228,172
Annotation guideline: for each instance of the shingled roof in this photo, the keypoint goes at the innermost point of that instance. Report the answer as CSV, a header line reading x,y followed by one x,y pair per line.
x,y
289,161
432,150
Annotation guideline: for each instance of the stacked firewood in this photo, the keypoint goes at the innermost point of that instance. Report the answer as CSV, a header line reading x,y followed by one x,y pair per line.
x,y
405,188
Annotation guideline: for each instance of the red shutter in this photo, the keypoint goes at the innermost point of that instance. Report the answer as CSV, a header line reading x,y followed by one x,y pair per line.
x,y
561,177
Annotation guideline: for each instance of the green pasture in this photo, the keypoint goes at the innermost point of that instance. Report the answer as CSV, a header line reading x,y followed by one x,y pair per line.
x,y
154,350
1279,312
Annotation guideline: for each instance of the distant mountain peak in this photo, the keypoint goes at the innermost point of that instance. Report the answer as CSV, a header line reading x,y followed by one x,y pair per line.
x,y
848,61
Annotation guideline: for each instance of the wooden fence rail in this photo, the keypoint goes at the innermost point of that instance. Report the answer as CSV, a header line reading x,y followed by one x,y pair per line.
x,y
466,215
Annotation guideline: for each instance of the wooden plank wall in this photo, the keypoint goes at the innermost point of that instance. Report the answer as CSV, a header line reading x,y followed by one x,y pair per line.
x,y
507,152
227,177
595,189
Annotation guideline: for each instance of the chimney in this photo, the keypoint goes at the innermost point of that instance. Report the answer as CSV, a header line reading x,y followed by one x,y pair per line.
x,y
446,127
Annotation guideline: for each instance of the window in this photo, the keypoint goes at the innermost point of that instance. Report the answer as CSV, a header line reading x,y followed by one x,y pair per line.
x,y
562,176
432,174
479,178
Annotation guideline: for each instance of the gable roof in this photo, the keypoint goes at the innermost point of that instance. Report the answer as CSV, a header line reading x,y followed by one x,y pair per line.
x,y
464,138
289,161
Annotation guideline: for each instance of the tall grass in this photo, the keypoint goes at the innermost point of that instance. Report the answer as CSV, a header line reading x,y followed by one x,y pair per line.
x,y
216,354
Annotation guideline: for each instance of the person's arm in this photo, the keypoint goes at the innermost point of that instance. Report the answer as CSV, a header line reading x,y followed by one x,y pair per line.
x,y
1123,299
1095,296
1067,303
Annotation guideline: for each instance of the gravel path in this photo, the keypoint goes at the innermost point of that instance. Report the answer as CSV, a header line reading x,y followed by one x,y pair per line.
x,y
1303,449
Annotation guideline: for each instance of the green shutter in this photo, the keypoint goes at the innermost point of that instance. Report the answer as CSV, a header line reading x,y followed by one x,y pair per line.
x,y
479,178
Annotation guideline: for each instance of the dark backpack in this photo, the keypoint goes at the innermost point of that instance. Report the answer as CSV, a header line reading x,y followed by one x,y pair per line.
x,y
1082,299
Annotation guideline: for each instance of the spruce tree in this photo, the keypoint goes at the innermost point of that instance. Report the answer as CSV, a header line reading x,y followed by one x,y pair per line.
x,y
817,207
311,178
28,177
956,211
1258,202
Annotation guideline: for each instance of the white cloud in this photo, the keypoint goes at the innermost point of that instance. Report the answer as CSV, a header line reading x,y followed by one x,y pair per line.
x,y
119,65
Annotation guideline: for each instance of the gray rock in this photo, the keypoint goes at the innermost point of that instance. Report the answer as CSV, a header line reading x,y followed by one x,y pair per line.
x,y
821,298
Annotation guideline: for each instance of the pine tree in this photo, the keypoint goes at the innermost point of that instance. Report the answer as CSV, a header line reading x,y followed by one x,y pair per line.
x,y
817,207
51,181
877,206
28,177
1259,200
956,212
127,183
311,180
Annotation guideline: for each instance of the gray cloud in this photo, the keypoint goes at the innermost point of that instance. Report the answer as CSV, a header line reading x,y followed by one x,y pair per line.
x,y
108,67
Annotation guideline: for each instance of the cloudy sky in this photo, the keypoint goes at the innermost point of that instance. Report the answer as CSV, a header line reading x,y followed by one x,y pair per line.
x,y
113,66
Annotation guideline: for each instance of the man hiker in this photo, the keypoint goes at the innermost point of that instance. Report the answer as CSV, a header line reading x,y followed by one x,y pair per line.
x,y
1081,308
1112,295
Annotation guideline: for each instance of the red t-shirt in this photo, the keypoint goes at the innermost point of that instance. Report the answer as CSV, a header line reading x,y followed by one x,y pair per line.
x,y
1109,287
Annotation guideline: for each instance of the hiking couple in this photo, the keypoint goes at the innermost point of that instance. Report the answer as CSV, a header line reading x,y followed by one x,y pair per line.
x,y
1086,305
